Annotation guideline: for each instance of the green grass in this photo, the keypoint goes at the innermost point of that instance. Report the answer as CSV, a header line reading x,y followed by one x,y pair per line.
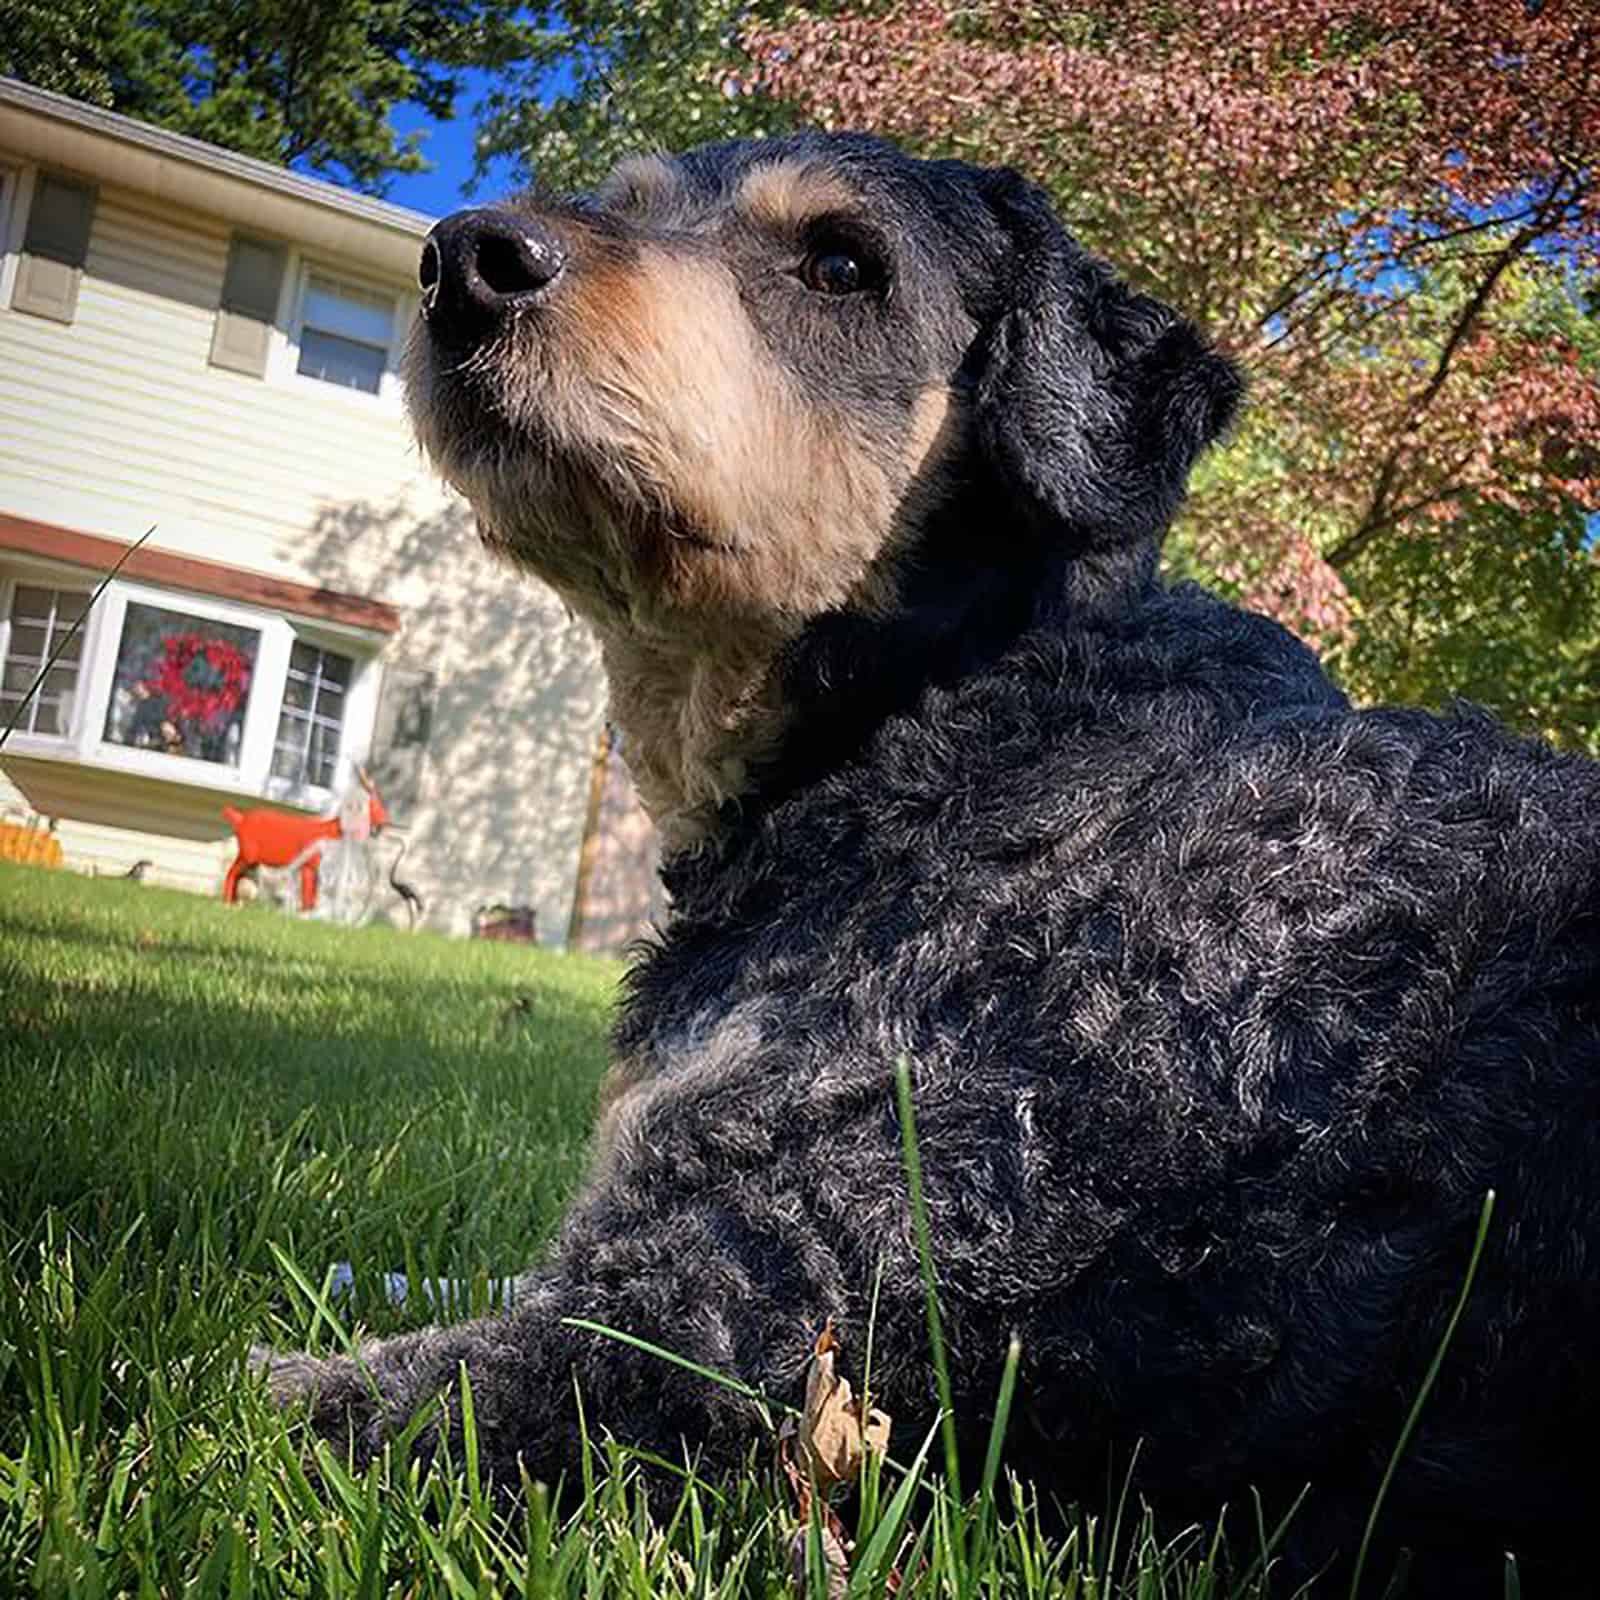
x,y
193,1101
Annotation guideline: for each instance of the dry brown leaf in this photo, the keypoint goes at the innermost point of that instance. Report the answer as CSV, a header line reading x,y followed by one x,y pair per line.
x,y
821,1454
833,1434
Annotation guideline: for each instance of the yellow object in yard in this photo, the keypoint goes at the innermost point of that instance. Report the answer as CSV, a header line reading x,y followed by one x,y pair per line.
x,y
36,847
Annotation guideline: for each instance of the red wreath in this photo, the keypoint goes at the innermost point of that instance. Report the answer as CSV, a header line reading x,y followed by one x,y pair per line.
x,y
202,680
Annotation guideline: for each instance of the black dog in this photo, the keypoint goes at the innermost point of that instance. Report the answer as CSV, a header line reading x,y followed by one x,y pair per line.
x,y
1225,1002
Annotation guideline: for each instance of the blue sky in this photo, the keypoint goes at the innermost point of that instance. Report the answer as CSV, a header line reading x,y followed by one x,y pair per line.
x,y
449,146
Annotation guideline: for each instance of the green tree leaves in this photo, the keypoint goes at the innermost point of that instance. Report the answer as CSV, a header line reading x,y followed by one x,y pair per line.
x,y
604,80
310,82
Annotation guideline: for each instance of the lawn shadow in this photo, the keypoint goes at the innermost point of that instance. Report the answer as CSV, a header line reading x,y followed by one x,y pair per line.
x,y
226,1094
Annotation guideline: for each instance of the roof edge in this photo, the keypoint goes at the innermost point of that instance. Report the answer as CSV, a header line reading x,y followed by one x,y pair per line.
x,y
244,169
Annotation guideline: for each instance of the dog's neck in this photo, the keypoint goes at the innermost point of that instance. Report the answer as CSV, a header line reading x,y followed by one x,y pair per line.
x,y
698,718
720,723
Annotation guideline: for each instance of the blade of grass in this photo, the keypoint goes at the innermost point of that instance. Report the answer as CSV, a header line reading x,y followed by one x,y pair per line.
x,y
941,1364
1513,1578
872,1462
1002,1416
1484,1218
315,1297
1114,1541
886,1536
709,1373
1399,1578
1266,1542
919,1220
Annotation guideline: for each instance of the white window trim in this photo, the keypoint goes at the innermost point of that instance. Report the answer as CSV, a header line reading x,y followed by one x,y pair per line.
x,y
85,742
16,195
284,358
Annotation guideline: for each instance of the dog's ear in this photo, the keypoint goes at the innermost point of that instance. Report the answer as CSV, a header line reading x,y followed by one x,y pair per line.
x,y
1091,402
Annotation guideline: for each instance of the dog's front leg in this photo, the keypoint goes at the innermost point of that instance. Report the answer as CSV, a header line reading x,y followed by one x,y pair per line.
x,y
513,1364
542,1378
698,1237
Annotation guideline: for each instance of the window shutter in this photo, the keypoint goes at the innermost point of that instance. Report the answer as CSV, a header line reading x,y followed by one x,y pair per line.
x,y
54,248
400,736
249,303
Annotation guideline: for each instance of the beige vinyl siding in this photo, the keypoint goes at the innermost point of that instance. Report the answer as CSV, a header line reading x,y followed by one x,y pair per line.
x,y
232,467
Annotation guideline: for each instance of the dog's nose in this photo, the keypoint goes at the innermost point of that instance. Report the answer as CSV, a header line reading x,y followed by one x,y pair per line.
x,y
478,266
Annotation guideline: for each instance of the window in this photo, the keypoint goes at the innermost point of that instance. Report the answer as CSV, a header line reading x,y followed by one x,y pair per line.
x,y
400,735
196,688
311,723
40,620
181,684
345,333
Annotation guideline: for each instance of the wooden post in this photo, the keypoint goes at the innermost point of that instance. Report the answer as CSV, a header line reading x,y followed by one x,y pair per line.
x,y
589,848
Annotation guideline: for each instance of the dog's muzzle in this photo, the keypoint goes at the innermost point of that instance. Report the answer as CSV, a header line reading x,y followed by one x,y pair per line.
x,y
479,267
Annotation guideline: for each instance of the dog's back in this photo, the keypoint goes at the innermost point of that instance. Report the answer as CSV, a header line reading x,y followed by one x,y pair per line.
x,y
1225,1004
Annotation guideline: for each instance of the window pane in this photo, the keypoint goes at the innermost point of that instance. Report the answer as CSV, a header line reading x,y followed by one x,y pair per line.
x,y
337,307
27,642
311,724
254,276
319,762
341,361
40,620
182,685
59,219
32,605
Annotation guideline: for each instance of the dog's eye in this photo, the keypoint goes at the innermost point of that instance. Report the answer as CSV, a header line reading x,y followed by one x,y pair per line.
x,y
838,261
833,272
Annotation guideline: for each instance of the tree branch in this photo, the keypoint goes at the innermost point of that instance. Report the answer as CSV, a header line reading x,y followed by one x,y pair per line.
x,y
1378,515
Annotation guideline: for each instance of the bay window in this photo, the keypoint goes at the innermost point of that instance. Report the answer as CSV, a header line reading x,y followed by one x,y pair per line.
x,y
181,684
186,688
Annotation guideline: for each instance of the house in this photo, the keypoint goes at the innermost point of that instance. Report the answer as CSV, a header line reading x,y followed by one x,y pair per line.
x,y
204,345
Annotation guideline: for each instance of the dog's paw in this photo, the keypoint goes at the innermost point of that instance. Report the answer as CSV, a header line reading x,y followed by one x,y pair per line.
x,y
290,1375
339,1394
335,1395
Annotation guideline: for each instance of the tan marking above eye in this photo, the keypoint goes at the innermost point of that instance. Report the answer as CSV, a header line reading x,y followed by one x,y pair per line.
x,y
788,194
